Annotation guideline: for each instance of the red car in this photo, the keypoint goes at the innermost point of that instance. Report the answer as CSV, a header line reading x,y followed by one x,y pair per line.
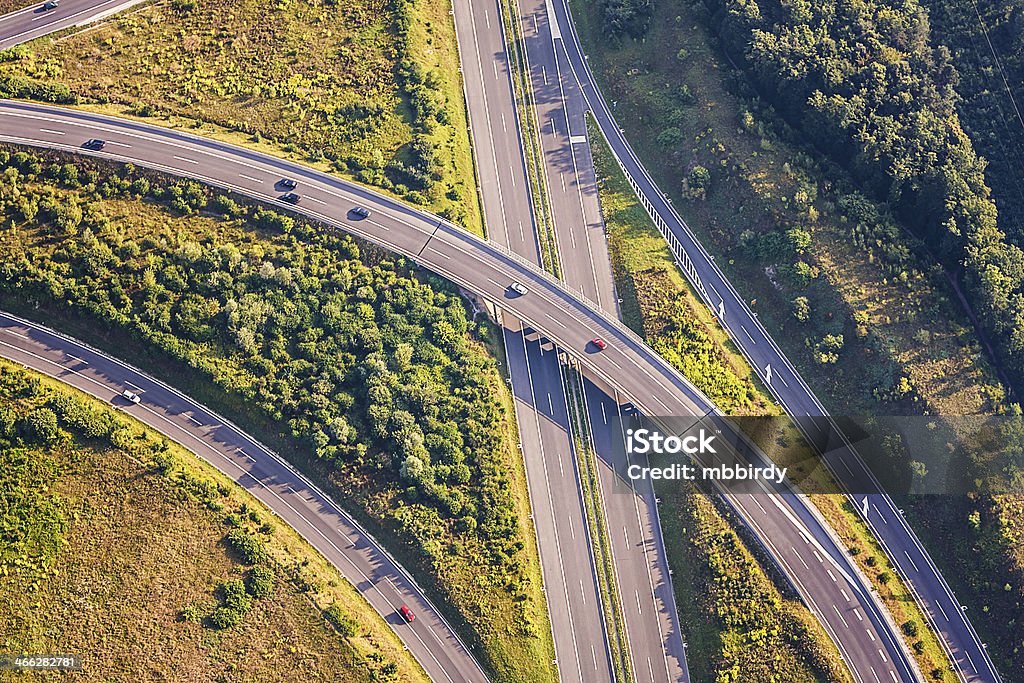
x,y
599,343
407,614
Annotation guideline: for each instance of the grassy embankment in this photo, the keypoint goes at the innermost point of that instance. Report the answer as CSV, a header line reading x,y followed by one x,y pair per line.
x,y
106,547
357,369
371,91
658,305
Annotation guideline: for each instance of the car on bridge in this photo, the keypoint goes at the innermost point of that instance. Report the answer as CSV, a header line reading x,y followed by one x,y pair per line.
x,y
407,614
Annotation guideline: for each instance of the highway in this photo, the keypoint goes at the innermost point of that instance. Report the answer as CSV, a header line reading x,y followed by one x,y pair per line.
x,y
574,634
32,22
567,563
266,475
905,551
785,523
640,563
634,533
967,652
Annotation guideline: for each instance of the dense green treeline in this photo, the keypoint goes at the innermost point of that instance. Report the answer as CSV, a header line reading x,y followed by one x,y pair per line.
x,y
986,43
864,83
362,362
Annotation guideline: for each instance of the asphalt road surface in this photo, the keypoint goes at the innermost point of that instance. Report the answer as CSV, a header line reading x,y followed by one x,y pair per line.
x,y
641,567
968,653
656,647
267,476
32,22
904,549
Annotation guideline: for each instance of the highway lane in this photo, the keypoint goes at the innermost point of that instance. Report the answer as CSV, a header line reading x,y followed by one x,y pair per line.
x,y
904,549
32,22
641,563
537,377
570,578
637,372
267,476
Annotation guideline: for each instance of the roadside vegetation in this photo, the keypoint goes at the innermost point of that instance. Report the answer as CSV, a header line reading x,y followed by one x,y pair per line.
x,y
979,541
854,293
370,90
128,541
706,556
358,368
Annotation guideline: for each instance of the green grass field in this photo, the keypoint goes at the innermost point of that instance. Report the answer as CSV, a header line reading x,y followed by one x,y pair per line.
x,y
106,547
321,81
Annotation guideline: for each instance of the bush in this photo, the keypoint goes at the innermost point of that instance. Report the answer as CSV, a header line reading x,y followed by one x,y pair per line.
x,y
247,546
261,581
802,309
344,624
225,617
40,426
233,595
696,184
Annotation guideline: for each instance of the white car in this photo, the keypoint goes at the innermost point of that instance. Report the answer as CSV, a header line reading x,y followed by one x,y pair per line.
x,y
518,288
131,396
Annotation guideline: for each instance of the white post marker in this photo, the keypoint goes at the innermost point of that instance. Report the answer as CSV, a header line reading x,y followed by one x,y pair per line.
x,y
864,507
721,310
768,374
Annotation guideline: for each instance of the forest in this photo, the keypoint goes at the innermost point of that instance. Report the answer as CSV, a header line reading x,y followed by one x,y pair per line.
x,y
865,84
367,364
986,44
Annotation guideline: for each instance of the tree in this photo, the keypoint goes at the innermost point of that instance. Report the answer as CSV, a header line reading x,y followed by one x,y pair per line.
x,y
696,184
40,426
802,309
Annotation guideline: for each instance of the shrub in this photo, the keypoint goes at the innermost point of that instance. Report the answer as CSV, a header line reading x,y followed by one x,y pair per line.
x,y
248,547
696,184
261,581
344,624
233,595
225,617
40,426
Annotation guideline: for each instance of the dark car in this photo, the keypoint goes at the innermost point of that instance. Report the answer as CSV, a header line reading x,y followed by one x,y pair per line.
x,y
95,143
49,4
287,183
291,198
407,614
359,212
599,344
